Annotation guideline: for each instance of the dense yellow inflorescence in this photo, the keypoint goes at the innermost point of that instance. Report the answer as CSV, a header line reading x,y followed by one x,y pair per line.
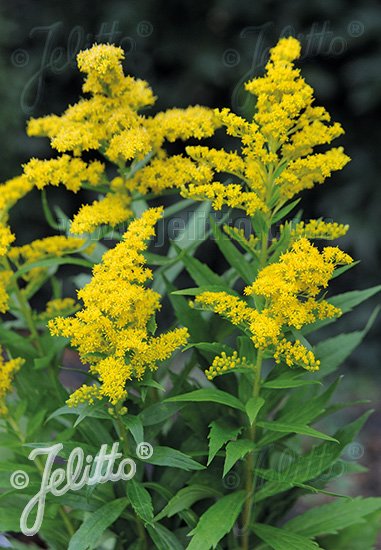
x,y
43,249
288,290
6,239
225,363
114,209
276,159
58,306
111,331
11,192
7,371
109,122
319,229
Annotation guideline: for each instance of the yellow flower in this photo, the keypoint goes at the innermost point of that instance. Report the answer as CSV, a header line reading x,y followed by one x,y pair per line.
x,y
40,249
224,363
111,331
7,371
5,279
10,192
6,239
112,210
318,229
276,158
285,295
58,306
71,172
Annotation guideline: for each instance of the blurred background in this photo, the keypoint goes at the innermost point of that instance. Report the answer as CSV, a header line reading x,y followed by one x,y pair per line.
x,y
202,52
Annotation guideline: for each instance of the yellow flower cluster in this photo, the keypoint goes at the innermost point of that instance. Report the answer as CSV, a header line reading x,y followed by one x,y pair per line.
x,y
276,158
224,363
7,372
71,172
12,191
5,279
109,122
58,306
164,173
111,331
6,239
288,290
238,234
318,229
41,249
112,210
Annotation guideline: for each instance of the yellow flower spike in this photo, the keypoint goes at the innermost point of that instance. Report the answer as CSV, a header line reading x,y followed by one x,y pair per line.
x,y
11,191
276,158
289,289
112,210
110,331
223,363
8,369
318,229
41,249
6,239
71,172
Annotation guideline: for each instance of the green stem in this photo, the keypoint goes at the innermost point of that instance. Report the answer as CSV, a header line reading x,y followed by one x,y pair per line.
x,y
27,314
250,461
250,458
124,440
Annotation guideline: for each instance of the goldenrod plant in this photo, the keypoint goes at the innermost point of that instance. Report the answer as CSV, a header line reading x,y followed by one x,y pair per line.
x,y
222,405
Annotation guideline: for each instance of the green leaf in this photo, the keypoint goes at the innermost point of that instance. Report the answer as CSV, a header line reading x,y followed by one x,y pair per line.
x,y
158,413
135,426
165,456
348,300
195,291
284,211
53,262
280,539
194,234
253,406
190,317
232,255
339,271
211,347
290,379
185,498
140,500
201,273
236,450
94,526
309,466
17,345
294,428
219,434
209,395
217,522
330,518
356,537
163,538
82,411
334,351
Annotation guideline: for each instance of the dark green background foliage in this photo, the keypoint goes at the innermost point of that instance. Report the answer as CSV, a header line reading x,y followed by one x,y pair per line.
x,y
201,52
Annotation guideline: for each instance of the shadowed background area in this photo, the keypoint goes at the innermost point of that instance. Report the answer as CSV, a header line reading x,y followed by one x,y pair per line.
x,y
202,53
